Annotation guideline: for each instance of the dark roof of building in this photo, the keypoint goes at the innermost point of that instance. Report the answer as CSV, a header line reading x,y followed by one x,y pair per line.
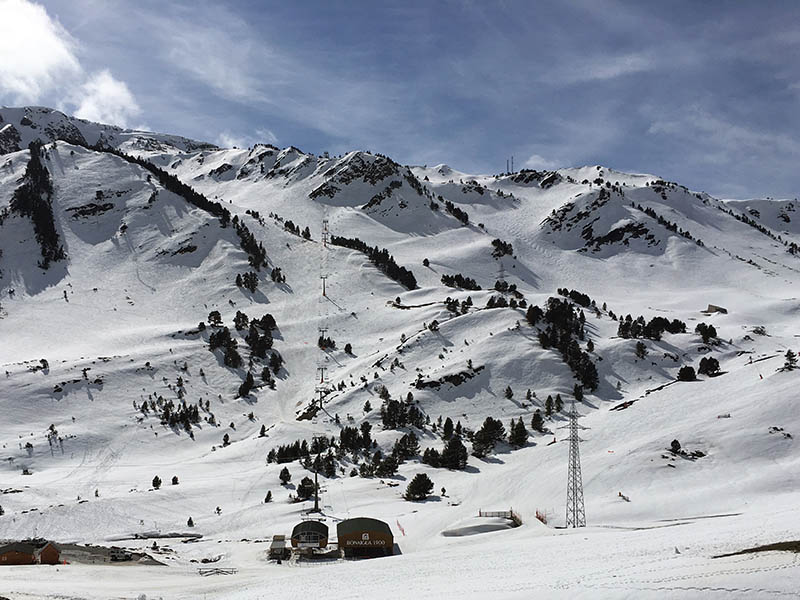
x,y
362,524
29,546
21,547
315,526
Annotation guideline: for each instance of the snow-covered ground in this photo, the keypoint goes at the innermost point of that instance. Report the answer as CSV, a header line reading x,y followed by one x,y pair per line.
x,y
144,271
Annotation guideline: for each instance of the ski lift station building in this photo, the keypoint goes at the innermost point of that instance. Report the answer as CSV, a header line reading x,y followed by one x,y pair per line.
x,y
310,534
365,538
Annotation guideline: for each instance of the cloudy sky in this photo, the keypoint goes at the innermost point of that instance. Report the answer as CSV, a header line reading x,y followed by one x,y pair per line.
x,y
703,93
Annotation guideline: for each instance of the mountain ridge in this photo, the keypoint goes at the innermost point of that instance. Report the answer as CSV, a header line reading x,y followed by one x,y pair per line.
x,y
118,325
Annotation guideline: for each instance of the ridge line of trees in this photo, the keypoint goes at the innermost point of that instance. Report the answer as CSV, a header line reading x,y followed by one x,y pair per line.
x,y
381,258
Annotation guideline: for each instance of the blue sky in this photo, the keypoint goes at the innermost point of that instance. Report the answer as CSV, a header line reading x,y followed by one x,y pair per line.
x,y
703,93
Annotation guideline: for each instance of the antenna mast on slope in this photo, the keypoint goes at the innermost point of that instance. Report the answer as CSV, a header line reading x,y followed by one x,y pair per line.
x,y
576,514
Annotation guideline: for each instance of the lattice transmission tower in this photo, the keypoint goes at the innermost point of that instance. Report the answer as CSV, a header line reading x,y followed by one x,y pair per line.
x,y
576,513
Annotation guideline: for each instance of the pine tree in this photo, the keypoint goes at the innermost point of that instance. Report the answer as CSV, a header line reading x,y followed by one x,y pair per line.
x,y
447,429
537,422
268,497
285,476
528,395
156,482
577,391
548,406
226,440
509,393
518,436
174,480
686,373
454,455
559,404
791,361
190,522
247,385
419,488
708,366
484,440
306,488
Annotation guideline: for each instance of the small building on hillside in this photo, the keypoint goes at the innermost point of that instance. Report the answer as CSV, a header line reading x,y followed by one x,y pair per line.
x,y
310,534
278,549
712,308
364,537
29,552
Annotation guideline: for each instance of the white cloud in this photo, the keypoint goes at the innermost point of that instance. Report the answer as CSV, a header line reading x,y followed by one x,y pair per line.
x,y
39,63
602,68
37,54
105,99
226,139
541,163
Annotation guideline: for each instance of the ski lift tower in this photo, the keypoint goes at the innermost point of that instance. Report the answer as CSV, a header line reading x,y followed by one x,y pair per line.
x,y
576,513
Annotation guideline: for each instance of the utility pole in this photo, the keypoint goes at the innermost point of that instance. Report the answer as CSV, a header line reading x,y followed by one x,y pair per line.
x,y
576,514
316,484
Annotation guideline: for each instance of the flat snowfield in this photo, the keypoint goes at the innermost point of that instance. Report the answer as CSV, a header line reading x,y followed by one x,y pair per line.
x,y
99,353
661,560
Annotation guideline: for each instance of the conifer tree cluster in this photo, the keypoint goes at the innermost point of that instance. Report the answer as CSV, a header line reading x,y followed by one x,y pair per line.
x,y
248,280
381,259
562,324
352,439
708,366
485,439
459,214
396,414
501,248
459,281
456,307
706,332
576,296
652,330
33,199
453,455
183,415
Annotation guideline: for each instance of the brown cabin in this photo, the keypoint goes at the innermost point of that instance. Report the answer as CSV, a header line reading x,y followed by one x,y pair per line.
x,y
29,553
365,537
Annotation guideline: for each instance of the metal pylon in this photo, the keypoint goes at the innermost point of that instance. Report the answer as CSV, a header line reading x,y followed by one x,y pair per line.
x,y
576,514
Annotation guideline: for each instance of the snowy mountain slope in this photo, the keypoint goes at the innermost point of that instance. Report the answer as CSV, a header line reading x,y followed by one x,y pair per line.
x,y
144,267
20,126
